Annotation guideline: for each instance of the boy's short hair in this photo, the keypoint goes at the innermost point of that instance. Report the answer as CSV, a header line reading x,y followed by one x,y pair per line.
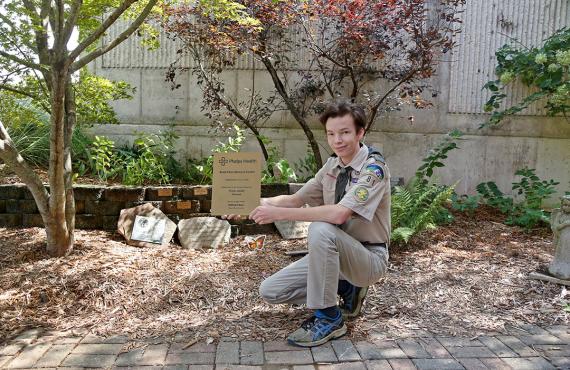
x,y
341,109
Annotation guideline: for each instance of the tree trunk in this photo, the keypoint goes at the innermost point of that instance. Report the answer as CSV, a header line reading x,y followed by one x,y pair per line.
x,y
293,110
58,231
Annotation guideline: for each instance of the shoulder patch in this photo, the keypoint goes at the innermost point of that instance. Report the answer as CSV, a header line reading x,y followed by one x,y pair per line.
x,y
361,194
375,169
378,157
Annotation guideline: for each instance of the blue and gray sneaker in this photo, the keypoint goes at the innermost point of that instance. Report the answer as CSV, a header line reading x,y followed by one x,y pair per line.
x,y
317,330
352,298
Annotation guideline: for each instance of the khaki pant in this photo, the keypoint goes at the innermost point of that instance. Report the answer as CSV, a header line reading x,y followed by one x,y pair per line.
x,y
333,255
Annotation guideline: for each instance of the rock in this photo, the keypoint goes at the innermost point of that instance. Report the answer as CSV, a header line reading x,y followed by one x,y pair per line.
x,y
150,218
292,229
560,224
203,232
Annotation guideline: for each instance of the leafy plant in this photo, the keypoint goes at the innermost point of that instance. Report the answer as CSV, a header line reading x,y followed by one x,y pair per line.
x,y
103,156
422,204
202,170
544,69
417,208
437,155
527,212
148,165
277,169
465,203
306,168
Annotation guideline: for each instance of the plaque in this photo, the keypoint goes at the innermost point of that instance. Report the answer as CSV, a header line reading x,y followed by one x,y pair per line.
x,y
184,204
127,223
236,183
201,191
164,192
148,229
203,232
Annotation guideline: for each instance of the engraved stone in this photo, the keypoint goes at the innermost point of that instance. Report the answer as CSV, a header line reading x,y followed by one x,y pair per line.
x,y
292,229
560,224
203,232
147,212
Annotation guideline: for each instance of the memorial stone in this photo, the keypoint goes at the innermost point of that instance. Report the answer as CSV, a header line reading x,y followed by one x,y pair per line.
x,y
560,224
151,226
203,232
292,229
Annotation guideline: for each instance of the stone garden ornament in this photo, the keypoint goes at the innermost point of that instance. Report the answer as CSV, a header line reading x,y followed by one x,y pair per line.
x,y
560,224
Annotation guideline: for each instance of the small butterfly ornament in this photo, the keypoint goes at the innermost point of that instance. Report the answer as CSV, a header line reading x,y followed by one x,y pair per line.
x,y
255,242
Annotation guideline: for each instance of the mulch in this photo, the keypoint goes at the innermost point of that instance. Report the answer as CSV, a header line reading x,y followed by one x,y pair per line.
x,y
468,278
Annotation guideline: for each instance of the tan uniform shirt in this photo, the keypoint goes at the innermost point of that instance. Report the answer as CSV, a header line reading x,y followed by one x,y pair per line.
x,y
367,195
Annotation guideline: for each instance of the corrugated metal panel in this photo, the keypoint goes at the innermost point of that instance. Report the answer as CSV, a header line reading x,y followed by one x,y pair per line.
x,y
130,54
487,25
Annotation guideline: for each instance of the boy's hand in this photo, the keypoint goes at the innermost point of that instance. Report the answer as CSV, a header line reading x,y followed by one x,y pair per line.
x,y
264,214
233,217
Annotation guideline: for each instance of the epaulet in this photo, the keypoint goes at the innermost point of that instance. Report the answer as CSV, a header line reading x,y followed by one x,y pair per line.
x,y
375,153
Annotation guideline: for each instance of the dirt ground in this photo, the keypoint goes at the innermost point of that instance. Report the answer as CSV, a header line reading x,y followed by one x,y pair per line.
x,y
468,278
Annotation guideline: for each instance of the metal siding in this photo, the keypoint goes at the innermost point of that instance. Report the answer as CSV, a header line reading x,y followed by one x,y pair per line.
x,y
483,33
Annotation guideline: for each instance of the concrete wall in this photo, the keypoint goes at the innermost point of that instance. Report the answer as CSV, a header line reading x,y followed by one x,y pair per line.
x,y
532,140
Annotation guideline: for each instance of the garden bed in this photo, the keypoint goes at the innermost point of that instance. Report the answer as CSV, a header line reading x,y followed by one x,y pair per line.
x,y
468,278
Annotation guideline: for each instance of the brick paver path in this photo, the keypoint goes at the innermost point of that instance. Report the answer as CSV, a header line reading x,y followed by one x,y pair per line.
x,y
526,347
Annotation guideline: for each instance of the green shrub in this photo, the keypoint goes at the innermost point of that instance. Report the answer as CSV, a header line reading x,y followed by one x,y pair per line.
x,y
526,212
465,203
277,169
201,171
544,69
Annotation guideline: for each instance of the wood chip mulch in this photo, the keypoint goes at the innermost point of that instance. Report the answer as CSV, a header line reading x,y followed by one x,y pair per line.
x,y
468,278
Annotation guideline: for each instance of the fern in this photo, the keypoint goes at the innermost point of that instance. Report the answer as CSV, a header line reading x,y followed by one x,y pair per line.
x,y
416,208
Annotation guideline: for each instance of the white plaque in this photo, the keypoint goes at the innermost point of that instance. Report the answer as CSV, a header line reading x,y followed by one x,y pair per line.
x,y
148,229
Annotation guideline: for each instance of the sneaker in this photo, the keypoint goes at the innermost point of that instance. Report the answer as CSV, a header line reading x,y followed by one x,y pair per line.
x,y
351,305
316,331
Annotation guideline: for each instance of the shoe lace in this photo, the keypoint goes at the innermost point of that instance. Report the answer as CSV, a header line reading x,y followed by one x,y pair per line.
x,y
309,323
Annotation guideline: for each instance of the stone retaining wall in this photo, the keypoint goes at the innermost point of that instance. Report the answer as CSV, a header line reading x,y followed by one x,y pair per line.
x,y
98,207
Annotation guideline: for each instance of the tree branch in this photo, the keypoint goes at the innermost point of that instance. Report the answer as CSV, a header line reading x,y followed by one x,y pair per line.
x,y
14,160
23,62
41,28
374,108
104,26
71,20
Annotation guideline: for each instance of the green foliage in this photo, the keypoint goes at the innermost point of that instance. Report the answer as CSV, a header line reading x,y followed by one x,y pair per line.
x,y
202,171
228,10
421,205
544,69
306,167
436,156
465,203
147,165
417,208
277,169
93,95
103,156
527,212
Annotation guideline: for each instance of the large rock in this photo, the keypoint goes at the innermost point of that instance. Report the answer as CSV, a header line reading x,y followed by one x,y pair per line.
x,y
152,227
203,232
560,224
292,229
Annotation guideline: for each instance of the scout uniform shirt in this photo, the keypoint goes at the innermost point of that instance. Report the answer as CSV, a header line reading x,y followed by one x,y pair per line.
x,y
367,195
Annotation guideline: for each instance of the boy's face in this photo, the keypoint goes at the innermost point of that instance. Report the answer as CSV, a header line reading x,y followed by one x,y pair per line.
x,y
343,137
